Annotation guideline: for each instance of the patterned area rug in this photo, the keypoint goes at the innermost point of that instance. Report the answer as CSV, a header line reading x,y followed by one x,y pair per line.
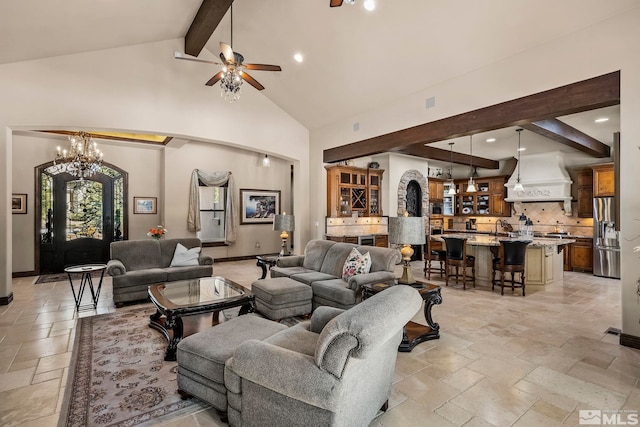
x,y
119,377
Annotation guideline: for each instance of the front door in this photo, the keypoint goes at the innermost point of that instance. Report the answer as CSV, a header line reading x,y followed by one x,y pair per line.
x,y
84,208
80,218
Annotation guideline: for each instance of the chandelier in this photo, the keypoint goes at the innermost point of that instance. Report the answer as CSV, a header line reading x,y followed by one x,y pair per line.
x,y
231,83
83,159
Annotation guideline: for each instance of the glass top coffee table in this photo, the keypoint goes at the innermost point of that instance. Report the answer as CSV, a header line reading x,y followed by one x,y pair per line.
x,y
175,300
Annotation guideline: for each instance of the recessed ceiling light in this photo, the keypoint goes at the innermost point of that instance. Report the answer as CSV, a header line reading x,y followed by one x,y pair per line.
x,y
298,57
522,149
491,140
369,5
602,120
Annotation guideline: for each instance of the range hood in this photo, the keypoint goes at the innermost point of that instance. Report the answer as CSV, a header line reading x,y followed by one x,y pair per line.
x,y
544,178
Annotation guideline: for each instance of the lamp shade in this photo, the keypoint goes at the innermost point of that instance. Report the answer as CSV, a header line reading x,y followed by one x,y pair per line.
x,y
284,223
407,230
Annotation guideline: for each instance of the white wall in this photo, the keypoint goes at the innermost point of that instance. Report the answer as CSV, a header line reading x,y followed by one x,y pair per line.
x,y
140,89
607,46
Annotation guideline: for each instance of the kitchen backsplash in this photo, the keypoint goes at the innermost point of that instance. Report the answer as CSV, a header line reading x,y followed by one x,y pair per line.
x,y
360,226
546,216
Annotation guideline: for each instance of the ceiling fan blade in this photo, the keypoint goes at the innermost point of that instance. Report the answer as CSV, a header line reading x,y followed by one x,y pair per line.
x,y
253,82
179,55
335,3
262,67
215,79
227,52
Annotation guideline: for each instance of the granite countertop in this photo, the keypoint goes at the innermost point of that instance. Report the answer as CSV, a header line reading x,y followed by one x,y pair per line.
x,y
489,240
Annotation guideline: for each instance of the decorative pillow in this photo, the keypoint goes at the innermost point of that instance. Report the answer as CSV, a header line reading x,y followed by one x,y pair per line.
x,y
356,263
184,257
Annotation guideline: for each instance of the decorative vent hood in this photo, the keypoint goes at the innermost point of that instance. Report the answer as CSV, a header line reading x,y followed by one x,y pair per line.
x,y
544,178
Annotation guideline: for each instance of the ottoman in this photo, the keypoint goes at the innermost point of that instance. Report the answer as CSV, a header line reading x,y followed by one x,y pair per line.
x,y
201,356
281,297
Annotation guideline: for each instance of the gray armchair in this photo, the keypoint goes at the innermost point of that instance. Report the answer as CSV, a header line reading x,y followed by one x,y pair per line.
x,y
334,370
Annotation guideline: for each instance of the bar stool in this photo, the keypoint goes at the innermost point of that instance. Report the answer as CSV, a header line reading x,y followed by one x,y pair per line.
x,y
511,258
434,252
457,257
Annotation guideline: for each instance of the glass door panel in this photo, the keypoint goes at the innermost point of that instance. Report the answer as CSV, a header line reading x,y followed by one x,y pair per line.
x,y
84,210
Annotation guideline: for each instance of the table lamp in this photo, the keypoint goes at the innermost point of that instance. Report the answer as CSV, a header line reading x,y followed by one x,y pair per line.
x,y
407,231
284,223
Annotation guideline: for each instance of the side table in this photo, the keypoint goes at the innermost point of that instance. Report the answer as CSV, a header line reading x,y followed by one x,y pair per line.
x,y
86,279
414,333
264,261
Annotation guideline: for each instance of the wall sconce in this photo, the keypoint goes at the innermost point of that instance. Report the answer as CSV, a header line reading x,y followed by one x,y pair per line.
x,y
266,162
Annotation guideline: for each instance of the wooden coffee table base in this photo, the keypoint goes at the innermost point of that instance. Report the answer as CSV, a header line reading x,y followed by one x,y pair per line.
x,y
415,333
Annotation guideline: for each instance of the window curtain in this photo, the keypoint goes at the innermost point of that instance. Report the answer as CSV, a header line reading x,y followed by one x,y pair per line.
x,y
212,179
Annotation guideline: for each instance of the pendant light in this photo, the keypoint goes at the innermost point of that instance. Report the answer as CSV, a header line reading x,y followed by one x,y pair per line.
x,y
452,186
471,186
518,186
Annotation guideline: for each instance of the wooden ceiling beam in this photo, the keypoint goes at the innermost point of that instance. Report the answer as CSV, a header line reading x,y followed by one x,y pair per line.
x,y
433,153
564,134
597,92
204,24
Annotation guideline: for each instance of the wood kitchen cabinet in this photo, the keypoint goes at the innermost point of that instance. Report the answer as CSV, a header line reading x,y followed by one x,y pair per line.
x,y
382,240
351,189
584,179
582,255
603,180
488,200
436,189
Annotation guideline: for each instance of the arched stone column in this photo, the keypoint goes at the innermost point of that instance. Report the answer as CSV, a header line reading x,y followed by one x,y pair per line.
x,y
407,177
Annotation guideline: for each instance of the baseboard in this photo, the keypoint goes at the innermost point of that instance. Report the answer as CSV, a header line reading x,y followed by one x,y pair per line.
x,y
6,300
23,273
240,258
630,341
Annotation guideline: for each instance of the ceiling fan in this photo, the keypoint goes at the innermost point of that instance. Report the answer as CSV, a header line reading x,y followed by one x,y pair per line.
x,y
233,69
232,65
368,4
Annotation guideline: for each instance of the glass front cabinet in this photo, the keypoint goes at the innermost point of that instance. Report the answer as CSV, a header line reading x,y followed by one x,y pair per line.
x,y
353,190
487,200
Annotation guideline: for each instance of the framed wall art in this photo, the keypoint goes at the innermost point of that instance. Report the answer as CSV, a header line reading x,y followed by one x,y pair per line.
x,y
145,205
19,203
259,206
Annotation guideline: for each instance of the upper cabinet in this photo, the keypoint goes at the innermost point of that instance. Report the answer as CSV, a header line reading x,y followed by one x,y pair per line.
x,y
436,189
353,190
584,181
603,180
488,200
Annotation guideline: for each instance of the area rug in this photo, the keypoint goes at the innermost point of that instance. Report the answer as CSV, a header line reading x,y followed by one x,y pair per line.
x,y
62,277
120,377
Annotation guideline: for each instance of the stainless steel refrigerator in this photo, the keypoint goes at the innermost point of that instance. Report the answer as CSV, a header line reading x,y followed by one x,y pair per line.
x,y
606,243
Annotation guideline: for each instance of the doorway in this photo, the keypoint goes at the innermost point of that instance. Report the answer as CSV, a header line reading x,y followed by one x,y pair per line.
x,y
77,219
414,208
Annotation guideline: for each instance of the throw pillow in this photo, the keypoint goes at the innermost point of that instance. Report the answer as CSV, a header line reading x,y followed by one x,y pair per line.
x,y
356,263
184,257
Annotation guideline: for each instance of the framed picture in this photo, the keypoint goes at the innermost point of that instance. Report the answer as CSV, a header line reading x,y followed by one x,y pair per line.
x,y
19,203
145,205
259,206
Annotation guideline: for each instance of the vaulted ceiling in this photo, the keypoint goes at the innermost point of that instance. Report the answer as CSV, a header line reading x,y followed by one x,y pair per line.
x,y
354,60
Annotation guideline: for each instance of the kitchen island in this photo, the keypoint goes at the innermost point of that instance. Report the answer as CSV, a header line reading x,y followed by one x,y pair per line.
x,y
543,263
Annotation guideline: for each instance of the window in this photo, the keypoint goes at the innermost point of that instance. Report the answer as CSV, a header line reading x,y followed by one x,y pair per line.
x,y
212,213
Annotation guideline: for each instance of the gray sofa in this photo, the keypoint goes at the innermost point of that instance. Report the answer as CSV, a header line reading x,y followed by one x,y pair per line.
x,y
321,268
334,370
135,264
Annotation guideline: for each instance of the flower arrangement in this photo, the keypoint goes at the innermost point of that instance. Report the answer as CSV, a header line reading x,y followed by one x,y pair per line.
x,y
157,232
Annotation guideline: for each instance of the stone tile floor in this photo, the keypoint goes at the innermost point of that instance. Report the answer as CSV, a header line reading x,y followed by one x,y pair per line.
x,y
501,360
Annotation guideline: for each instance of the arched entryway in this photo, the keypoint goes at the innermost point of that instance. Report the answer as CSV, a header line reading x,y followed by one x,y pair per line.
x,y
77,219
413,197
